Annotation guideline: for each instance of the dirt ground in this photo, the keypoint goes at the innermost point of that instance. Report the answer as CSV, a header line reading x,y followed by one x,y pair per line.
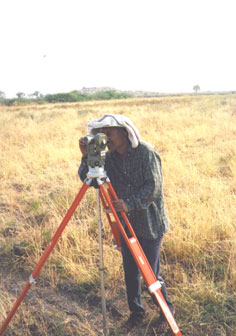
x,y
69,309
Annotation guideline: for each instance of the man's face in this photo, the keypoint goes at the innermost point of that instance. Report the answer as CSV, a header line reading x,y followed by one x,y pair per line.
x,y
116,139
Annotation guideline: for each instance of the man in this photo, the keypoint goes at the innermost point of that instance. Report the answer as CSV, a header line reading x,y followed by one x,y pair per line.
x,y
134,169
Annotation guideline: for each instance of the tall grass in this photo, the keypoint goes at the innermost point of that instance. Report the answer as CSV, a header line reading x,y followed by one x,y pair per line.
x,y
196,139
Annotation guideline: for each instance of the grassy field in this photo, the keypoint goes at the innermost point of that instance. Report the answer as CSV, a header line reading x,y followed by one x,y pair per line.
x,y
196,138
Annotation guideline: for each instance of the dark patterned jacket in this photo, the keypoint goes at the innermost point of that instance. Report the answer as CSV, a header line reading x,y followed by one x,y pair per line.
x,y
137,179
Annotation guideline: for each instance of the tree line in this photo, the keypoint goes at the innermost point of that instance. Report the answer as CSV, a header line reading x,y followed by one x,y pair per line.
x,y
73,96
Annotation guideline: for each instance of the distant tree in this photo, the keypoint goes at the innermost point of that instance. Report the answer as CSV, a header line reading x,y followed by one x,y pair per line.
x,y
196,88
20,94
2,94
36,94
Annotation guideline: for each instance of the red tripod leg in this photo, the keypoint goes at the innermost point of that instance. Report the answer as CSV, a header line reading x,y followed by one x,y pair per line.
x,y
153,284
45,255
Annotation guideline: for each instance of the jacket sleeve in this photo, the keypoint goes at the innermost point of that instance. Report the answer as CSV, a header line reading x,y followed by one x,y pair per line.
x,y
83,169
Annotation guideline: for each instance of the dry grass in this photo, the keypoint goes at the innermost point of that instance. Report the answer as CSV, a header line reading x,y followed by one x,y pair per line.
x,y
196,138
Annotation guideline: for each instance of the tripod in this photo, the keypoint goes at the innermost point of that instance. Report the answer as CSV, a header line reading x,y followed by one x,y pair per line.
x,y
107,195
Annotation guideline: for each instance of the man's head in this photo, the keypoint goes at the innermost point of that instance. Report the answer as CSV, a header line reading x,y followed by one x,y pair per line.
x,y
116,121
117,138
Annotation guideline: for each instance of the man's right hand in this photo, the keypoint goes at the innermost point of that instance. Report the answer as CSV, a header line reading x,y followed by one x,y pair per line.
x,y
120,205
83,146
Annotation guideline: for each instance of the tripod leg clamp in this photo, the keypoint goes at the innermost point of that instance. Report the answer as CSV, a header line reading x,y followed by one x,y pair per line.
x,y
31,280
156,285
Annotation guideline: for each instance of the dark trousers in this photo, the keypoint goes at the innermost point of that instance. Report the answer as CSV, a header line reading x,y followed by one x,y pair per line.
x,y
151,249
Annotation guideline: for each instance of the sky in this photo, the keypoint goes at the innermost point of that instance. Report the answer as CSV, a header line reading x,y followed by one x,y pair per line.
x,y
152,45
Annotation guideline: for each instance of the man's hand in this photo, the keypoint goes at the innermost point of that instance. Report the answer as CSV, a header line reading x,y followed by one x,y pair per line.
x,y
120,205
83,146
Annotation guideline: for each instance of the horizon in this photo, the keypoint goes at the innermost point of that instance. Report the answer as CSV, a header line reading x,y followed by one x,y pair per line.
x,y
107,88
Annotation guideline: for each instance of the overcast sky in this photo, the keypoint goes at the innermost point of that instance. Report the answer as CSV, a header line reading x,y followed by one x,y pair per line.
x,y
156,45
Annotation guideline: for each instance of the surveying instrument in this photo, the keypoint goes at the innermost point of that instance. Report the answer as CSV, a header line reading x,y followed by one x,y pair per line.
x,y
98,178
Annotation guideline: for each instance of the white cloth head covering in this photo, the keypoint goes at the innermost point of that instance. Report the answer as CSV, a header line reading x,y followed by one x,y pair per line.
x,y
117,120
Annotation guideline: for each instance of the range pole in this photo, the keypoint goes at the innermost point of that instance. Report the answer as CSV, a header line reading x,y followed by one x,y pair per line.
x,y
101,264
